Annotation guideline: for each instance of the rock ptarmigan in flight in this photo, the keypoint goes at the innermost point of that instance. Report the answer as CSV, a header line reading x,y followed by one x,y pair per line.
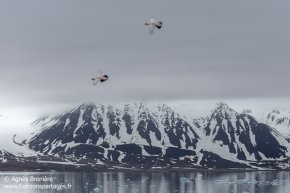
x,y
153,24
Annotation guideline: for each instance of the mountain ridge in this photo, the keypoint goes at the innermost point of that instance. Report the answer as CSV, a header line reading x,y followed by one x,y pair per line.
x,y
156,135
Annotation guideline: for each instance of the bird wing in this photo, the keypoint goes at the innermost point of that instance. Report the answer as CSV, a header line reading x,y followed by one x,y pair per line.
x,y
151,28
99,73
95,82
152,20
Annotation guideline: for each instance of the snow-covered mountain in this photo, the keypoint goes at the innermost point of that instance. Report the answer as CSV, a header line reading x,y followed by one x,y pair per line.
x,y
5,156
156,135
242,135
279,120
136,123
7,143
115,133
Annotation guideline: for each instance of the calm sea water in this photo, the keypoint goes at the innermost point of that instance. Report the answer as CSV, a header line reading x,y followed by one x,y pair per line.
x,y
146,182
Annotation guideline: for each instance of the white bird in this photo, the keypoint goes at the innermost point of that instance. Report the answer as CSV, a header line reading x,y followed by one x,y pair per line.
x,y
153,24
100,78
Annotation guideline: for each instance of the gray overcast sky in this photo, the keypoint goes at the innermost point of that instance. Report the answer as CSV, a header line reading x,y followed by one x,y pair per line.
x,y
207,49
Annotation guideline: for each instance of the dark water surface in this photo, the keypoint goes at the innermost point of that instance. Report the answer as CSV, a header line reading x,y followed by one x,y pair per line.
x,y
146,182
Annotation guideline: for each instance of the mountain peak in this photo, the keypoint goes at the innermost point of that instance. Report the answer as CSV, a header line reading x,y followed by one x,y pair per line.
x,y
86,105
222,106
222,110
